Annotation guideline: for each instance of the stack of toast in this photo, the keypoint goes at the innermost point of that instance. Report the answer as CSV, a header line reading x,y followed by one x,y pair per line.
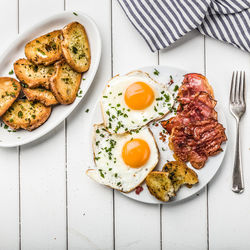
x,y
50,75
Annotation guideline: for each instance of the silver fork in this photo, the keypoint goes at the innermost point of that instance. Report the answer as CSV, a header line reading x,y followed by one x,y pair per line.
x,y
238,108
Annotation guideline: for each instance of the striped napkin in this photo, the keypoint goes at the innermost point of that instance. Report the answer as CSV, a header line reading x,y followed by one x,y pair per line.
x,y
162,22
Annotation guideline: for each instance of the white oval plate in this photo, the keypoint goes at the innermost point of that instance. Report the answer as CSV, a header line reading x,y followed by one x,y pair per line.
x,y
205,174
16,51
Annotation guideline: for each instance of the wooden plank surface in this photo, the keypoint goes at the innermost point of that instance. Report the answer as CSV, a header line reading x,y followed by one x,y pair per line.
x,y
180,227
61,208
42,165
9,191
90,205
229,218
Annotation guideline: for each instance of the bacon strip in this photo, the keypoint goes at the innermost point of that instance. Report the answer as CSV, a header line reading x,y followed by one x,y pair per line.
x,y
197,141
195,133
199,108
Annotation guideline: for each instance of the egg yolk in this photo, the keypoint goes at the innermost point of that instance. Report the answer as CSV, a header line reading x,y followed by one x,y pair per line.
x,y
139,96
135,153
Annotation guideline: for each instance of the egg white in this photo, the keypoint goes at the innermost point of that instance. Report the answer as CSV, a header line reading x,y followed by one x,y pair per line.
x,y
111,170
118,117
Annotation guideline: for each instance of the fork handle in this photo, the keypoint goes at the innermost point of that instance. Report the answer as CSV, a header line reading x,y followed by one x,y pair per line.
x,y
238,182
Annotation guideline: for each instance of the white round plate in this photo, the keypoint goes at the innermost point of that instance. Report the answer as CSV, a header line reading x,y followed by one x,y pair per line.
x,y
205,174
16,51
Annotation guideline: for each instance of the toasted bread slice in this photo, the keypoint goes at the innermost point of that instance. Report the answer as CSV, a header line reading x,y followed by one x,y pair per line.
x,y
33,75
160,185
180,174
9,91
45,49
42,95
26,114
75,47
65,83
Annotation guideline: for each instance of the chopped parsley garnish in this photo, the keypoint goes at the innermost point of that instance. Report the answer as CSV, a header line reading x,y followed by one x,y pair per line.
x,y
11,72
74,49
79,93
20,114
159,98
156,72
176,88
39,50
101,173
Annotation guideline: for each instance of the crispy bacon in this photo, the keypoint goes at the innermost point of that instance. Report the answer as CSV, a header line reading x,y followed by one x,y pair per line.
x,y
196,141
199,108
192,85
195,133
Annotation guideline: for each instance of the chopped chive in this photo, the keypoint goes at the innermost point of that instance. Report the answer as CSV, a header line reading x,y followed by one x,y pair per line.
x,y
176,88
156,72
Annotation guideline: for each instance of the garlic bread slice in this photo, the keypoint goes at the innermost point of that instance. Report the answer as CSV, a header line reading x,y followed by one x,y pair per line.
x,y
160,185
180,174
42,95
33,75
9,91
26,114
45,49
65,83
75,47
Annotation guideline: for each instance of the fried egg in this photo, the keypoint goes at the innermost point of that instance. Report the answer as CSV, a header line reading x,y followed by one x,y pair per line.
x,y
123,161
131,101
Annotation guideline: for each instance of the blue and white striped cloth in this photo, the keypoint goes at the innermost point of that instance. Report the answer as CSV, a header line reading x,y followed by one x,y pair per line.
x,y
162,22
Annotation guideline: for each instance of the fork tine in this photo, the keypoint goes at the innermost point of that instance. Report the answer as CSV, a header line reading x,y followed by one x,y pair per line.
x,y
236,88
243,87
239,93
231,89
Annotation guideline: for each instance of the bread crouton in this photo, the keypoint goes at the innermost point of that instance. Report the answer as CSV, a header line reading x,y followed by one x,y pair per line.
x,y
160,185
9,91
42,95
65,83
180,174
45,49
75,47
26,114
33,75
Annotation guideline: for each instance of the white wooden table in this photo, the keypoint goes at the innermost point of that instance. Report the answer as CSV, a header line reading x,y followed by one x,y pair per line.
x,y
47,201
